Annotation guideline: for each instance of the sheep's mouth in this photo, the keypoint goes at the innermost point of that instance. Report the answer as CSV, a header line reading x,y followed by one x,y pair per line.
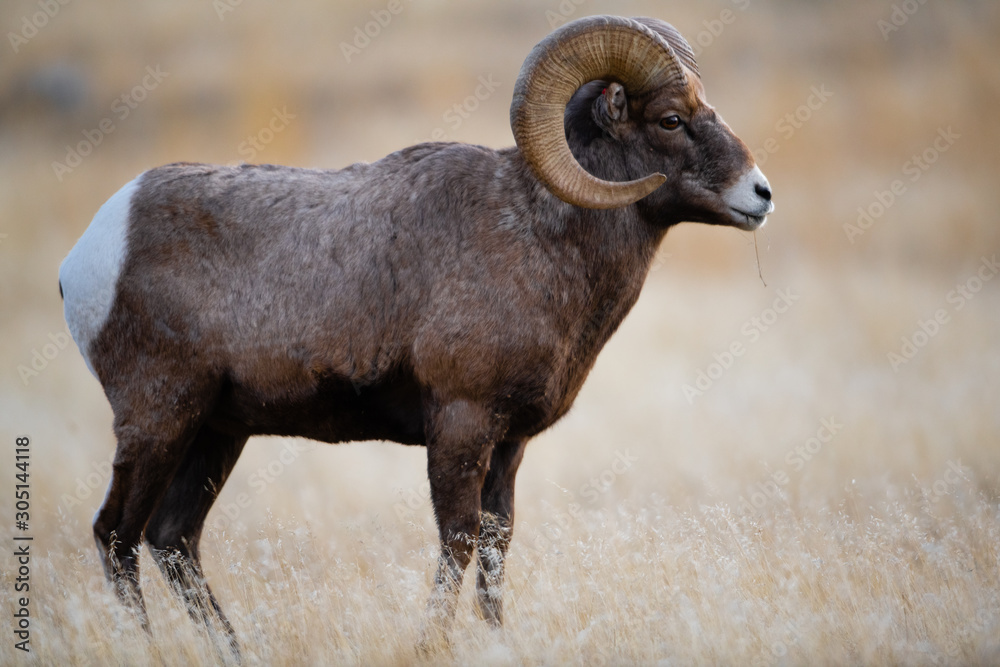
x,y
750,221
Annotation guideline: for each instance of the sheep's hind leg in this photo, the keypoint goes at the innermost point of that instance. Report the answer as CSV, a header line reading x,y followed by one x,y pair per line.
x,y
151,447
174,530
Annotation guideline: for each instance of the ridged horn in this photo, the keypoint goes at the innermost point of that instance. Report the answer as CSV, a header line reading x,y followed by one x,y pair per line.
x,y
595,47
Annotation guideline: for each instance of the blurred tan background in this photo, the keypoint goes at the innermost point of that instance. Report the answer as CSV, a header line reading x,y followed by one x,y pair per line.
x,y
837,99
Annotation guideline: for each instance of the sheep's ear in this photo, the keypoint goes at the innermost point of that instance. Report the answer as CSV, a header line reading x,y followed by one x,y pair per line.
x,y
610,109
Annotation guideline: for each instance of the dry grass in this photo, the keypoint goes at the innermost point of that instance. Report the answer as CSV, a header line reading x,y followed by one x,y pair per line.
x,y
881,548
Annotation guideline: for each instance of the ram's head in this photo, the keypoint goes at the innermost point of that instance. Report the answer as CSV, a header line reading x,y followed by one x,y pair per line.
x,y
634,84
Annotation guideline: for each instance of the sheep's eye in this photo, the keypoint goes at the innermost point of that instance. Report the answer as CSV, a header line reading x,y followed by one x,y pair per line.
x,y
670,122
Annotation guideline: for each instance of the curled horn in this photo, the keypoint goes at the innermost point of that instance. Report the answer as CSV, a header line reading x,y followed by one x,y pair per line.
x,y
595,47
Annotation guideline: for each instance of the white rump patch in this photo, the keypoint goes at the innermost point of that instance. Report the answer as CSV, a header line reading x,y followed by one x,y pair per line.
x,y
89,273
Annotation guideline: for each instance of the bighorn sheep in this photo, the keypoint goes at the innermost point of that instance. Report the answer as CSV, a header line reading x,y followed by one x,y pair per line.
x,y
447,295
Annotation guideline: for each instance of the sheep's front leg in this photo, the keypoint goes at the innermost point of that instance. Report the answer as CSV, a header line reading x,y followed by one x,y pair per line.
x,y
460,442
497,526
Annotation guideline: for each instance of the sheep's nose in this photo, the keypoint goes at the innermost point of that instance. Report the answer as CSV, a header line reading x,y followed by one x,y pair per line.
x,y
763,191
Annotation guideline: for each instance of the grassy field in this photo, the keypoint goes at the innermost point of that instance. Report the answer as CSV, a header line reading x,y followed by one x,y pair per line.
x,y
831,495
